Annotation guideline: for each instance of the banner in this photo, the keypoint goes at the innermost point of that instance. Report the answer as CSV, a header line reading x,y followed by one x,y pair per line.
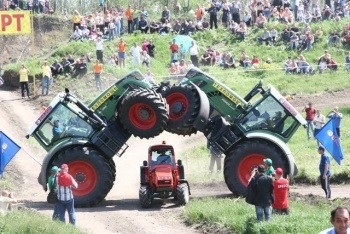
x,y
328,137
7,151
15,22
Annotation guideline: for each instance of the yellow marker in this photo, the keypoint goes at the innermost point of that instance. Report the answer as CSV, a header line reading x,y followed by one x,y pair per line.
x,y
104,98
226,93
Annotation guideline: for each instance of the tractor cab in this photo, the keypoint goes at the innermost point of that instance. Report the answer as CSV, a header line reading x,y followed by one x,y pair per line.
x,y
161,155
61,120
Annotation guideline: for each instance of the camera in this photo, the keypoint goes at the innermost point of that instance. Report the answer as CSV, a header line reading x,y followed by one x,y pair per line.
x,y
254,168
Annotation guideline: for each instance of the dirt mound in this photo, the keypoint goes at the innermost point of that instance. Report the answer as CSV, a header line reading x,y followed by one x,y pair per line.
x,y
47,34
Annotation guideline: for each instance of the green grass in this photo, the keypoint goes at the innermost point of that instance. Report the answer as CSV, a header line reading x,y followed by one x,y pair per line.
x,y
239,217
31,222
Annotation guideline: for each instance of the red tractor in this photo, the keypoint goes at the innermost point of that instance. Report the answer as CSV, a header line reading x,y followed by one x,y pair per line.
x,y
162,177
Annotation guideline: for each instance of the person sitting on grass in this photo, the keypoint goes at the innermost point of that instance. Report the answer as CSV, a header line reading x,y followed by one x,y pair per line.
x,y
265,37
261,20
322,65
242,30
205,58
255,61
56,68
294,41
77,34
334,38
346,39
173,70
332,65
229,61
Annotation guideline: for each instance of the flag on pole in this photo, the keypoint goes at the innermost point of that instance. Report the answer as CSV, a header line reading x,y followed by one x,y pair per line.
x,y
7,151
328,137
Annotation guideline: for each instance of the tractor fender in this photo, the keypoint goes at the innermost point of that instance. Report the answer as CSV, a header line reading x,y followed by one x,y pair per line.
x,y
69,143
293,169
186,182
204,110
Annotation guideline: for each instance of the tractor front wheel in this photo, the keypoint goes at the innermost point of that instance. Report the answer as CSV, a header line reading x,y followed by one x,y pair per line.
x,y
184,104
145,196
182,194
93,173
245,156
143,113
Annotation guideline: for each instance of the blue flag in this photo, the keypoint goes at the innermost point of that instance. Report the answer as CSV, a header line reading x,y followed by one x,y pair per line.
x,y
7,151
328,137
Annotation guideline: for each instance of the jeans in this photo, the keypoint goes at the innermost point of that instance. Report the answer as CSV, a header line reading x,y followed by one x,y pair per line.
x,y
117,29
62,206
310,127
309,45
24,86
55,212
111,34
45,85
261,211
98,81
325,186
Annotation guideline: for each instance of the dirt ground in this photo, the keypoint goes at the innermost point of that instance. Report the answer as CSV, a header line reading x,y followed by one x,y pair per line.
x,y
120,212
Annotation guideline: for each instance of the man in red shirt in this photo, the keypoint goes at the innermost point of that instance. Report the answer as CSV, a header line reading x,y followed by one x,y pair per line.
x,y
174,49
310,115
280,191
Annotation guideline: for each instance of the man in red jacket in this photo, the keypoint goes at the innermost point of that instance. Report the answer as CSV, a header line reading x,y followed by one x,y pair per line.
x,y
280,191
65,182
310,115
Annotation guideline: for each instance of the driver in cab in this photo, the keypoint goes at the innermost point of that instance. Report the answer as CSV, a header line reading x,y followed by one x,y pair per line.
x,y
56,130
277,122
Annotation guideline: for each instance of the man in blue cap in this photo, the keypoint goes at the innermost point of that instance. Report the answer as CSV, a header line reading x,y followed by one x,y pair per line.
x,y
325,172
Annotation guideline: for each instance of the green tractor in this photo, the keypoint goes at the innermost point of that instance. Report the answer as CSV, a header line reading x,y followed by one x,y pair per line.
x,y
90,136
247,132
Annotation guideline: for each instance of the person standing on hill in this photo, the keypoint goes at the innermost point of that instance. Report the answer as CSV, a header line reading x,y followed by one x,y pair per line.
x,y
325,172
46,70
121,52
99,49
310,115
97,71
194,51
128,13
319,121
65,182
260,192
213,18
76,18
337,117
23,79
280,192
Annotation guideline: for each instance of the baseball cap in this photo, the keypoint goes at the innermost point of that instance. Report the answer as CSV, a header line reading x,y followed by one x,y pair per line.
x,y
279,171
261,168
320,148
55,169
267,161
64,166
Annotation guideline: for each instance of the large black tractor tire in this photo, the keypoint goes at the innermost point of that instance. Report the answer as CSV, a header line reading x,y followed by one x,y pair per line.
x,y
182,194
184,105
93,173
143,113
245,156
145,196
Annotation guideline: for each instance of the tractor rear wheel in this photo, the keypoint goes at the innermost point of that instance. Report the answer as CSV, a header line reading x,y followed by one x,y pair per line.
x,y
184,104
245,156
182,194
93,173
145,196
143,113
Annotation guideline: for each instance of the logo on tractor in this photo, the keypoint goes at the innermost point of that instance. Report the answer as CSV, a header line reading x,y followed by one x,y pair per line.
x,y
104,97
43,115
226,93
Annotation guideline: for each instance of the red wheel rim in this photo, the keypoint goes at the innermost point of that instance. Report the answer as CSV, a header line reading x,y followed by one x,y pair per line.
x,y
85,175
142,116
245,166
178,105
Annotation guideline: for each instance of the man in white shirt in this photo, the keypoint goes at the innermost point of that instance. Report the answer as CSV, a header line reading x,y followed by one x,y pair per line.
x,y
99,49
340,220
136,51
319,120
194,51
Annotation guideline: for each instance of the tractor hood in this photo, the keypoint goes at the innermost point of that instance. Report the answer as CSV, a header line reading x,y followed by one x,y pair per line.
x,y
163,173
